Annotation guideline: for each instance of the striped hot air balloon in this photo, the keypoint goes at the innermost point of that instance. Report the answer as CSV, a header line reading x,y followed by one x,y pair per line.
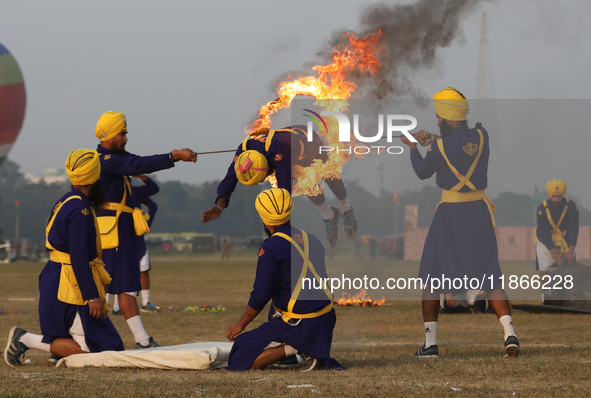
x,y
13,100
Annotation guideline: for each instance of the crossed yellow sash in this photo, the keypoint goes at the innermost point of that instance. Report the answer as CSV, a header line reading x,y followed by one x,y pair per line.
x,y
305,253
68,291
454,196
557,234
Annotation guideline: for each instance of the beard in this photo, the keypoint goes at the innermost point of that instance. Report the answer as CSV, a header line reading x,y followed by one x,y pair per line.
x,y
445,128
119,151
269,234
97,195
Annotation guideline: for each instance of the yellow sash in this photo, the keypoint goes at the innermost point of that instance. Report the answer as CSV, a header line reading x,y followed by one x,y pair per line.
x,y
557,234
297,170
454,196
68,291
289,314
109,224
267,141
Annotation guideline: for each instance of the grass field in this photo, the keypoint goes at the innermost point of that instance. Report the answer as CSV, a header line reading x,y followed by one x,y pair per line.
x,y
374,344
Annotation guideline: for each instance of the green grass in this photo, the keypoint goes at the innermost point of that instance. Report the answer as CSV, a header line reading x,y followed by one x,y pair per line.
x,y
375,344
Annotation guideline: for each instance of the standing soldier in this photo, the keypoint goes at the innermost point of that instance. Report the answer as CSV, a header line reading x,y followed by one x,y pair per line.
x,y
121,220
461,241
72,307
142,196
557,231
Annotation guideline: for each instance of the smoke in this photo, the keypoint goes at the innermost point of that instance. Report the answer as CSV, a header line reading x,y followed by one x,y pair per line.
x,y
412,34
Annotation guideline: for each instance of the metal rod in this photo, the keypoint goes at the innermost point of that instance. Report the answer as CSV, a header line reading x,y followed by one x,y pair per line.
x,y
207,153
234,150
394,136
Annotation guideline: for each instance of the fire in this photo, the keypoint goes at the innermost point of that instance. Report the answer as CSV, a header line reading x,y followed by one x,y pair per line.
x,y
360,54
360,299
273,180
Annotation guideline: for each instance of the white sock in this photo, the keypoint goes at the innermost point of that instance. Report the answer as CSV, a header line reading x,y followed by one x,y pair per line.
x,y
345,205
116,304
430,334
34,341
289,350
145,297
542,297
326,211
507,323
137,328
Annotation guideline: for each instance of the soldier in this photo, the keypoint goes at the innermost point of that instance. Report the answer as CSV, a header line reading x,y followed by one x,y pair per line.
x,y
72,306
121,220
295,324
557,231
461,241
269,151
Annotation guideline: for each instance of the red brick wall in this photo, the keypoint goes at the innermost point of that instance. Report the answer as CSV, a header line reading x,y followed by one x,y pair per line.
x,y
583,249
514,243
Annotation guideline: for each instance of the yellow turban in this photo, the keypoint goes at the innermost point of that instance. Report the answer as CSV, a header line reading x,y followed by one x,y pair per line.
x,y
556,187
109,125
274,206
83,166
251,167
450,104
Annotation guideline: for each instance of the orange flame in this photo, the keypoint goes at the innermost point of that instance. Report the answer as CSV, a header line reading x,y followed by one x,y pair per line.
x,y
272,179
330,84
360,299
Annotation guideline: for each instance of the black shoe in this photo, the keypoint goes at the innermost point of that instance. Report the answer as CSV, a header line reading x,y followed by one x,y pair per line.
x,y
331,227
350,226
150,308
151,344
311,364
512,347
54,358
294,361
427,352
14,348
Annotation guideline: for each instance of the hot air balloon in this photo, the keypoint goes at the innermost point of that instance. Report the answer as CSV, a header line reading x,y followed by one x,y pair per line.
x,y
13,100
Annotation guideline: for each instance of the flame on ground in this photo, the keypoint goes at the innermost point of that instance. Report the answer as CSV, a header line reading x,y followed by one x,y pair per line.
x,y
331,89
360,299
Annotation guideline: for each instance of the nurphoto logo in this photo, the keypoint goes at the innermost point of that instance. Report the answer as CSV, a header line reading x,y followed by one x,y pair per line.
x,y
392,125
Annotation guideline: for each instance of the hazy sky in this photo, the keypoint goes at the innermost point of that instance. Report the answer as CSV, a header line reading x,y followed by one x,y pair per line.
x,y
193,73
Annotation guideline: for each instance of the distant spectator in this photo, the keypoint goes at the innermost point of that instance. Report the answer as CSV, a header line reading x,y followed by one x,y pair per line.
x,y
357,245
225,250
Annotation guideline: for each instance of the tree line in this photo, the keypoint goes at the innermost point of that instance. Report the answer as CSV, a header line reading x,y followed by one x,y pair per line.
x,y
180,206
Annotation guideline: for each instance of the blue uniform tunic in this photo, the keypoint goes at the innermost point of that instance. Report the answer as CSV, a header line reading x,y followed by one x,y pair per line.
x,y
275,268
279,156
74,232
461,240
570,223
122,263
141,194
